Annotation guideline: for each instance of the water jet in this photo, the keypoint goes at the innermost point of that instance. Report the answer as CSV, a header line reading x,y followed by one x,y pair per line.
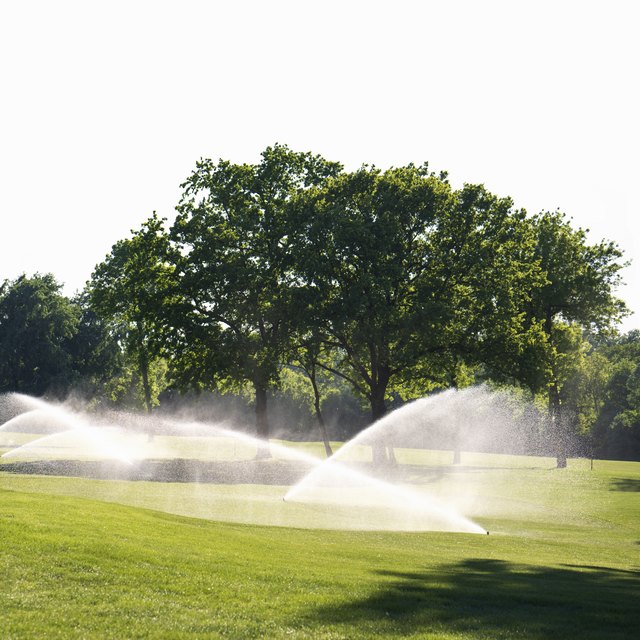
x,y
212,468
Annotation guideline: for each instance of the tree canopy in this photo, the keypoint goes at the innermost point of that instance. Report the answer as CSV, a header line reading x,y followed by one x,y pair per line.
x,y
579,291
237,282
389,281
37,324
129,289
403,275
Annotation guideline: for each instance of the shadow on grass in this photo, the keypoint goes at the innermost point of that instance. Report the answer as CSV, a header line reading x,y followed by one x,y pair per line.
x,y
269,471
625,484
496,599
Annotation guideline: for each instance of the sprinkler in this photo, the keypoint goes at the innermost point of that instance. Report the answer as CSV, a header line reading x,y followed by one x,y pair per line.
x,y
487,533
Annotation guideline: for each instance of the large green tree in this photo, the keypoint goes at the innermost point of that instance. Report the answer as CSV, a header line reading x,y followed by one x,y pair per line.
x,y
616,431
401,273
95,352
236,277
130,289
581,279
37,324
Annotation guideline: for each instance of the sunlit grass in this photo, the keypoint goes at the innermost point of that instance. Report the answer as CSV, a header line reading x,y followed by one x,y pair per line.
x,y
562,560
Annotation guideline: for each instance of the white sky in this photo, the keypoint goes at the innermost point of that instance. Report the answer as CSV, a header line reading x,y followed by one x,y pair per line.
x,y
106,106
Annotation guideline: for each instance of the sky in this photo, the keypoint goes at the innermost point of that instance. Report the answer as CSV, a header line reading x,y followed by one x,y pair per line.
x,y
105,108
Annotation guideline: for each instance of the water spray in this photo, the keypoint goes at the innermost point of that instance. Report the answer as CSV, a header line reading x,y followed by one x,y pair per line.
x,y
345,491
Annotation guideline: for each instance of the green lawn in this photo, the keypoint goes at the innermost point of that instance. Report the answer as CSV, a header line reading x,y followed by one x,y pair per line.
x,y
562,561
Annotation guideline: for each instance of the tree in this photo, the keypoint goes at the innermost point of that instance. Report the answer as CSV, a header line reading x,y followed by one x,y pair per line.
x,y
130,288
587,375
125,388
236,278
37,324
616,432
307,356
95,353
579,289
401,272
360,249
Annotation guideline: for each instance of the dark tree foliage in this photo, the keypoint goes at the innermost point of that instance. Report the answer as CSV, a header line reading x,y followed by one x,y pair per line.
x,y
37,326
402,274
360,251
95,352
391,280
130,289
616,432
581,279
236,280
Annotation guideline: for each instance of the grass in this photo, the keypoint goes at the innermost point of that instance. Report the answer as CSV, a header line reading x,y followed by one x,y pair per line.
x,y
563,561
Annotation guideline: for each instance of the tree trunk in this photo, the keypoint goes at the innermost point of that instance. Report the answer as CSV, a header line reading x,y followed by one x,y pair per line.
x,y
323,426
262,421
556,426
381,449
455,422
143,363
325,436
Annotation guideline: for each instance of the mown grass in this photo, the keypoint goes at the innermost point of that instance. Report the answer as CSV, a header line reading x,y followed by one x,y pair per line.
x,y
563,561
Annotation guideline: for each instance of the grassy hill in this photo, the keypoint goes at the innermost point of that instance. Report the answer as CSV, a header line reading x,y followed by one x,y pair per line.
x,y
563,561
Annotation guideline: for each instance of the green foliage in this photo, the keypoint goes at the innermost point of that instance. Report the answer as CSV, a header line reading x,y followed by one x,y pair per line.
x,y
234,265
391,282
585,390
407,279
52,345
130,289
95,353
616,432
578,293
37,325
295,385
581,277
576,296
126,390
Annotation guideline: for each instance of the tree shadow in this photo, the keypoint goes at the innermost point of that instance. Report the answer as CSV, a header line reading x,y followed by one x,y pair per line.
x,y
495,599
258,471
625,484
269,471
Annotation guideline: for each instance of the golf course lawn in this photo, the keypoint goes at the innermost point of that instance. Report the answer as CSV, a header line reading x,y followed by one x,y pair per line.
x,y
99,559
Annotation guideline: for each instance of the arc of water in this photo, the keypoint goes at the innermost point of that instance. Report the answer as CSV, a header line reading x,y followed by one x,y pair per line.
x,y
99,439
401,498
208,429
394,492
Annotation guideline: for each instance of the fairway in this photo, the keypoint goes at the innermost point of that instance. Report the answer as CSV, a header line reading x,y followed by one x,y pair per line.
x,y
562,560
319,321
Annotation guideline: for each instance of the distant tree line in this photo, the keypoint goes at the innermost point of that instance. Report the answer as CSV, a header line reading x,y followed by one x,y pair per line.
x,y
327,291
